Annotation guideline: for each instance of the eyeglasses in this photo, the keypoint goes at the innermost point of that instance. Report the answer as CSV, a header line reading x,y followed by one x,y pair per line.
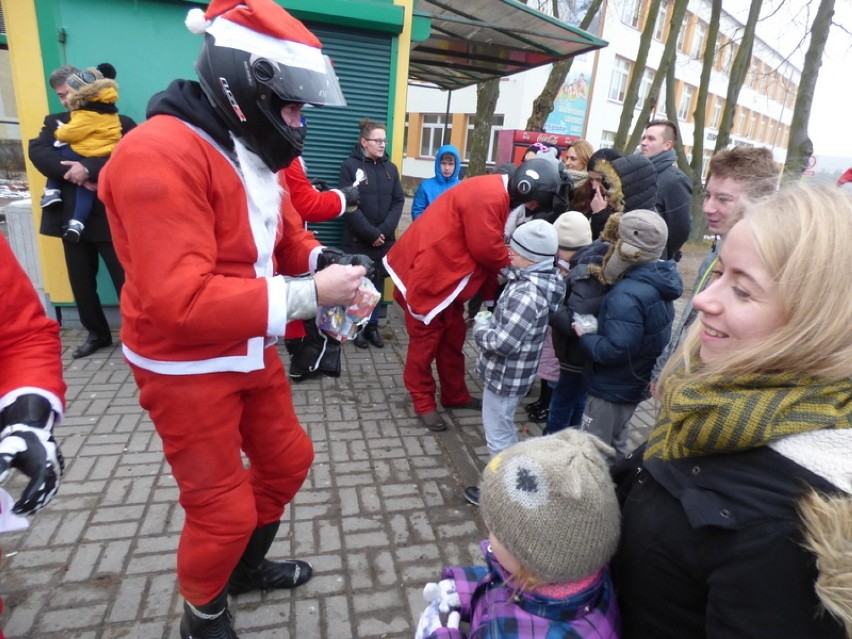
x,y
377,140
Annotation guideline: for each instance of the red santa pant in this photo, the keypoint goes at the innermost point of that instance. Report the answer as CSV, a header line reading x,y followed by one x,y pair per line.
x,y
441,341
204,422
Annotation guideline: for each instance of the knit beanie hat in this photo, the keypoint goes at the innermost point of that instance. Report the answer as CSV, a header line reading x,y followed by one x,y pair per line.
x,y
642,237
535,240
573,231
638,181
551,503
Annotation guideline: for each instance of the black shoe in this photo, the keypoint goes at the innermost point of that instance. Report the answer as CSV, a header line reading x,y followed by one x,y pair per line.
x,y
474,403
91,345
371,334
360,341
471,493
211,621
535,406
73,231
433,421
270,575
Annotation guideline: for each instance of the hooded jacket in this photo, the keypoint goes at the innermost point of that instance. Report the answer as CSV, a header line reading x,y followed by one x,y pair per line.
x,y
634,326
510,345
380,206
632,185
93,129
430,189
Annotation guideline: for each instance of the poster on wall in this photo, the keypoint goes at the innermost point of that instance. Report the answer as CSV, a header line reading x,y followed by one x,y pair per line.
x,y
569,108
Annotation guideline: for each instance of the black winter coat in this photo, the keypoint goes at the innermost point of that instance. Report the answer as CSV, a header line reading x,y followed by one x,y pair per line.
x,y
380,208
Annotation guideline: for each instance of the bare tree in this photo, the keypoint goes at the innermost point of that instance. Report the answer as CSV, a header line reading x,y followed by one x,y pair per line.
x,y
543,104
799,147
486,101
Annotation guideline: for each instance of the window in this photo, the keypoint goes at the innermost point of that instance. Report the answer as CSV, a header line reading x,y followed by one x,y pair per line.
x,y
496,127
618,79
681,36
431,134
630,12
660,26
660,109
698,40
645,87
716,117
684,108
607,139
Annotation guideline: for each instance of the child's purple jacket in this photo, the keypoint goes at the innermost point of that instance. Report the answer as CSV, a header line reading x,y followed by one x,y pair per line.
x,y
494,609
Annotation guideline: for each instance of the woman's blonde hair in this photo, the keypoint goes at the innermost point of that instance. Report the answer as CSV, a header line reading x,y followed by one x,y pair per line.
x,y
802,235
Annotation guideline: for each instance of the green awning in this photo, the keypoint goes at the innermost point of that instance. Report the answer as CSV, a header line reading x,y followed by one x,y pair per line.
x,y
477,40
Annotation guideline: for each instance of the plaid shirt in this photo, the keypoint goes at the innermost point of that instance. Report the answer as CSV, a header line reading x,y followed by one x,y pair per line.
x,y
510,345
495,609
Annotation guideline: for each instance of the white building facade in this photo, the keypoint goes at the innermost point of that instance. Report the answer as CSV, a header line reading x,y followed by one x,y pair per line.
x,y
762,118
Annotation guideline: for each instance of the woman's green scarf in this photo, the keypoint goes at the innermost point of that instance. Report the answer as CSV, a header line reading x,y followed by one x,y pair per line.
x,y
739,413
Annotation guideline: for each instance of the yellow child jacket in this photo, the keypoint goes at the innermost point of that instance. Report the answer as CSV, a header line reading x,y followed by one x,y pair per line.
x,y
91,134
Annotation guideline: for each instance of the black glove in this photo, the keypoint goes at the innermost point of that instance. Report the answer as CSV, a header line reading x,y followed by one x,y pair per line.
x,y
352,195
319,184
332,255
27,444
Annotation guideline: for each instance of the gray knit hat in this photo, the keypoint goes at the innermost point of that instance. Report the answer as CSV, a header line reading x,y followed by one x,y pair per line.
x,y
573,230
642,237
550,501
535,240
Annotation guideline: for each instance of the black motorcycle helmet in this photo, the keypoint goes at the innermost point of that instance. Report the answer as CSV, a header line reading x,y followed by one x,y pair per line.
x,y
249,90
536,179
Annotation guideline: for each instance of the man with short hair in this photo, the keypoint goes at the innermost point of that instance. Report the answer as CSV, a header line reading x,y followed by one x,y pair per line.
x,y
674,188
735,177
81,258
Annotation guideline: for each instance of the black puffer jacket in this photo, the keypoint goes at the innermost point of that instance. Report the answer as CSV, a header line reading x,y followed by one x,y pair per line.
x,y
380,207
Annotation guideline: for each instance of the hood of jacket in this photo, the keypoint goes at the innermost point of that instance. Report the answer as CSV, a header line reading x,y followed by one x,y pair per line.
x,y
662,275
545,277
447,148
828,531
103,91
185,100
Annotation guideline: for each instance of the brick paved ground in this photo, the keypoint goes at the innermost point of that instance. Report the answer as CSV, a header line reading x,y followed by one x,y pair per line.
x,y
380,513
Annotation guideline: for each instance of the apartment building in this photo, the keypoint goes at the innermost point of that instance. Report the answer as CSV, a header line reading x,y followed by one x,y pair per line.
x,y
762,117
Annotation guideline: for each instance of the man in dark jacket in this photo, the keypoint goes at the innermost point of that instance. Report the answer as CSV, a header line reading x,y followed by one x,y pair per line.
x,y
81,259
674,188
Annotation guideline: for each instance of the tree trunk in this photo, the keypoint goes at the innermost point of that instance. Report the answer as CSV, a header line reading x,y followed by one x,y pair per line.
x,y
739,70
543,104
666,60
799,147
486,102
632,95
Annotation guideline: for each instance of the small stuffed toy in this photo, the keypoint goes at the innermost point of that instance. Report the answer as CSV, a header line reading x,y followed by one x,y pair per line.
x,y
442,611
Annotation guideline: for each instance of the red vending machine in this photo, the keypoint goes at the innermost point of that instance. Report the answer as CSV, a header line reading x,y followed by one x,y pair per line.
x,y
513,143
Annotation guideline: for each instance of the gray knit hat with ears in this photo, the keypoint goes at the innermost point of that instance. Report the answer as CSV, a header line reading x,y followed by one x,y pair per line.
x,y
551,503
642,237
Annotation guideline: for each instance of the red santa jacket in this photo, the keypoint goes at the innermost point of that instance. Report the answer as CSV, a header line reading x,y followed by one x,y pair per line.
x,y
312,205
31,361
203,249
453,248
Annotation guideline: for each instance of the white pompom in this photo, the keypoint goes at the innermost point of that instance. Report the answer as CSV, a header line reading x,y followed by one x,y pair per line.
x,y
196,22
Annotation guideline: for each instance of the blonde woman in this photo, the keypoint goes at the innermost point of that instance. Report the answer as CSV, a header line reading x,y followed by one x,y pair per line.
x,y
737,521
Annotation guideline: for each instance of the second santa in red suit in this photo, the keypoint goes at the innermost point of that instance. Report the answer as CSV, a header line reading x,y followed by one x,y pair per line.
x,y
195,206
457,246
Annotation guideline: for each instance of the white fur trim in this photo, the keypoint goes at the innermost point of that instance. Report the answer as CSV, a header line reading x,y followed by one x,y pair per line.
x,y
196,22
292,54
827,453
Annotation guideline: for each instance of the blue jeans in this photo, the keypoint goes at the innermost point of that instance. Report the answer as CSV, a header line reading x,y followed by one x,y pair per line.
x,y
566,403
498,418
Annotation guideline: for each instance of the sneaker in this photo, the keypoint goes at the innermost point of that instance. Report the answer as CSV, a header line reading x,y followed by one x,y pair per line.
x,y
51,196
73,231
433,421
471,493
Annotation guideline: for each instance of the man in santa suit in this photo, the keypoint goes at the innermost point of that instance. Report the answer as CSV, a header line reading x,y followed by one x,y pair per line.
x,y
195,207
457,246
32,392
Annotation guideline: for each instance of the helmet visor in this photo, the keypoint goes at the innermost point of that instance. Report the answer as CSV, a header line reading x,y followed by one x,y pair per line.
x,y
309,86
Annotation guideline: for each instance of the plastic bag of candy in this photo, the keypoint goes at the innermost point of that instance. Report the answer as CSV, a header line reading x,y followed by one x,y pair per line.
x,y
343,323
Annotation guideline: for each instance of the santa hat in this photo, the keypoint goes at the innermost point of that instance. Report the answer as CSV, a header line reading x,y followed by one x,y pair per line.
x,y
261,27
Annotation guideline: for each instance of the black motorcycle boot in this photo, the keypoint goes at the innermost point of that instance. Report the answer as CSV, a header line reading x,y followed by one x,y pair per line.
x,y
371,333
210,621
255,572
